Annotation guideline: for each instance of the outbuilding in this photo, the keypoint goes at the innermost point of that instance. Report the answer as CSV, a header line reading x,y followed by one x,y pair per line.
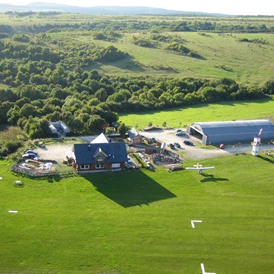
x,y
231,131
134,137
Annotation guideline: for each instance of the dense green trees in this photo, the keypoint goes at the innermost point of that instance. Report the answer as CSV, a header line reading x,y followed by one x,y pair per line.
x,y
87,105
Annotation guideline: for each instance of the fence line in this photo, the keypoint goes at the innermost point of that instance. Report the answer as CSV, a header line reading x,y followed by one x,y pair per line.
x,y
40,173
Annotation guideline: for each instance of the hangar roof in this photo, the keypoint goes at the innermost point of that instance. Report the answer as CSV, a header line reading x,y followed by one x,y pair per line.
x,y
236,127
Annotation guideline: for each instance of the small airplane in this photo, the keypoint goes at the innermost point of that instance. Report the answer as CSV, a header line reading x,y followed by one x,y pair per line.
x,y
200,168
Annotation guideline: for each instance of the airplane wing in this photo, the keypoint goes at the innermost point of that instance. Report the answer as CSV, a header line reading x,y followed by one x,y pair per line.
x,y
200,168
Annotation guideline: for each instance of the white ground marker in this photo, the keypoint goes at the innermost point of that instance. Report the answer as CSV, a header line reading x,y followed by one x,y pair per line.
x,y
195,221
203,270
13,211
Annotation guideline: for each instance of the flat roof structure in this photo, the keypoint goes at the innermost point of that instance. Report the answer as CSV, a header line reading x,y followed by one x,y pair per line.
x,y
231,131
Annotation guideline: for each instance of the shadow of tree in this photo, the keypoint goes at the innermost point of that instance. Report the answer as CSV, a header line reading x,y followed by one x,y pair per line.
x,y
128,189
211,178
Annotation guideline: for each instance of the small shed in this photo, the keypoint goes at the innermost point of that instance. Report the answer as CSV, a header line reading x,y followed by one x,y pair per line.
x,y
59,127
134,137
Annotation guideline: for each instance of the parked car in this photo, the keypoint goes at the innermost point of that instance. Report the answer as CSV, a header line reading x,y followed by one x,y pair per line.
x,y
177,145
188,143
31,152
178,130
171,146
153,140
180,133
29,156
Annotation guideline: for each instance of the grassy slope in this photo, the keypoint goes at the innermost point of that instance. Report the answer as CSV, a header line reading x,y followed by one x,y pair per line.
x,y
213,112
246,63
139,222
224,55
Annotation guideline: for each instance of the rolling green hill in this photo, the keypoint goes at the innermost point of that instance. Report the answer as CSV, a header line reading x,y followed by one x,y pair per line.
x,y
224,44
223,56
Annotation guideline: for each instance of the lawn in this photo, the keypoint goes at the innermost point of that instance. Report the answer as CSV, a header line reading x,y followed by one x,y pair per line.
x,y
139,221
181,117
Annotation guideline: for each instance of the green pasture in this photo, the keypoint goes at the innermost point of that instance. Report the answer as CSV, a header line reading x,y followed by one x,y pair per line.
x,y
181,117
139,221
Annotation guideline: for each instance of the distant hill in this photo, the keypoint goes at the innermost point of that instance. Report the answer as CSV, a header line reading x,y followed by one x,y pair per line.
x,y
115,10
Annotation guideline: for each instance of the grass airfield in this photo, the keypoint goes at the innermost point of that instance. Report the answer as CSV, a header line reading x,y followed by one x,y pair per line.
x,y
140,221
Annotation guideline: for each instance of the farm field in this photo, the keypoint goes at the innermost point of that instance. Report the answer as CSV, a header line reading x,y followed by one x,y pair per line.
x,y
140,221
181,117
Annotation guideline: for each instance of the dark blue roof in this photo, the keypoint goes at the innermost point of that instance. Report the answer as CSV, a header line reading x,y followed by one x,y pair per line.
x,y
116,152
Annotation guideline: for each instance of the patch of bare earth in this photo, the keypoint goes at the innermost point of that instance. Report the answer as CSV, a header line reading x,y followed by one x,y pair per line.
x,y
56,152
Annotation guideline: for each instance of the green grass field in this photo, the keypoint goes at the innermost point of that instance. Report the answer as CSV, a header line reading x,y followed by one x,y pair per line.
x,y
180,117
139,221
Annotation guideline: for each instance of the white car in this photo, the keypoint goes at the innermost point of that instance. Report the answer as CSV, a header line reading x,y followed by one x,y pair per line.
x,y
29,156
31,152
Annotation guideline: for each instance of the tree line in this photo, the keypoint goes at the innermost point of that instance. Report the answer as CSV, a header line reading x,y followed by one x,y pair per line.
x,y
177,24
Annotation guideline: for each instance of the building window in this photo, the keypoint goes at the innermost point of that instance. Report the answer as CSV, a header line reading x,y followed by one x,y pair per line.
x,y
99,166
84,166
100,159
117,165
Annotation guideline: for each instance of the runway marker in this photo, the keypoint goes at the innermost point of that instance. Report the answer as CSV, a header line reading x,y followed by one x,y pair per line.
x,y
203,270
195,221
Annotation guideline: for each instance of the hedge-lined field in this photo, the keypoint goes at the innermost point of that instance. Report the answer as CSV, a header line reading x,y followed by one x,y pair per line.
x,y
139,221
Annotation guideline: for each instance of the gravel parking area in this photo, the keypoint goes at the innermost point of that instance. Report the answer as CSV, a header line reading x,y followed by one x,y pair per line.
x,y
195,152
56,152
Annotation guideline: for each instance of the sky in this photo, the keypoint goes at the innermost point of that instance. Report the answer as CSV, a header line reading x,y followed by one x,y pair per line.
x,y
233,7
